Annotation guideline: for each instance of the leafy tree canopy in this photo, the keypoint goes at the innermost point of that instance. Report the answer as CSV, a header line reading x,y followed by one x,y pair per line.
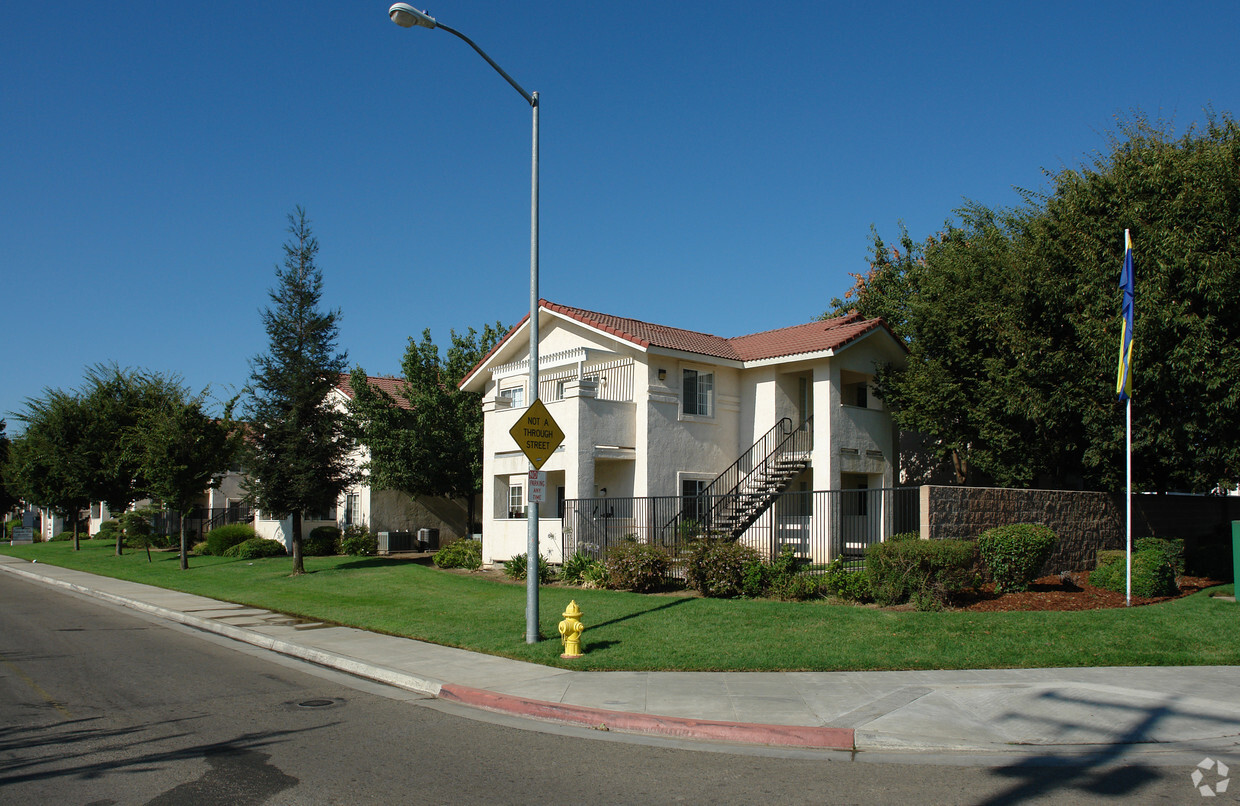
x,y
429,443
1012,320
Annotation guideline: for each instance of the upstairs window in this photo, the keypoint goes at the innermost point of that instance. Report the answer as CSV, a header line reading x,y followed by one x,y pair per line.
x,y
516,394
698,393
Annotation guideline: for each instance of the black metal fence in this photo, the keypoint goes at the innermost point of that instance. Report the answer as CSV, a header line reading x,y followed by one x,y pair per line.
x,y
199,521
819,526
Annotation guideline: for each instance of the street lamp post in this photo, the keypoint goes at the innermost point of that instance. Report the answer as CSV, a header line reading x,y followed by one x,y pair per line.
x,y
406,16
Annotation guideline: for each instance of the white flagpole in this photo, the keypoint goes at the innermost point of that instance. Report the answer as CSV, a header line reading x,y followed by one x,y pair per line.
x,y
1128,464
1128,524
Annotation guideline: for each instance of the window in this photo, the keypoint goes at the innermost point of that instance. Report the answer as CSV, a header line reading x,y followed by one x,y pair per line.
x,y
692,506
516,394
516,497
698,393
319,515
352,509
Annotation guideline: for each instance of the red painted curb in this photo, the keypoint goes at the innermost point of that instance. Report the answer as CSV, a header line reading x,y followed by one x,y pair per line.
x,y
710,730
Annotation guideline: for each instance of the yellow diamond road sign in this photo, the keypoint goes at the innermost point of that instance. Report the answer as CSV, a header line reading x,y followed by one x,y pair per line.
x,y
537,435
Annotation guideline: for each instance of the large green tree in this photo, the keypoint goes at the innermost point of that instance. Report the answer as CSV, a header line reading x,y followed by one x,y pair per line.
x,y
115,400
430,441
1012,321
8,499
46,465
181,450
298,458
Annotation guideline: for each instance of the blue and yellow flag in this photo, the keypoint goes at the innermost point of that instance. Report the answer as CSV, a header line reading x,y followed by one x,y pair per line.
x,y
1123,382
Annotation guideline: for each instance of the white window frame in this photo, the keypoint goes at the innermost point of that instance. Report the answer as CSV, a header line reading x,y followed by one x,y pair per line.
x,y
515,395
516,495
710,398
352,509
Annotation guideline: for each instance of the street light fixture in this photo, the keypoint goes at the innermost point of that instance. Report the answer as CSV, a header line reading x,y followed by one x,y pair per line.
x,y
406,16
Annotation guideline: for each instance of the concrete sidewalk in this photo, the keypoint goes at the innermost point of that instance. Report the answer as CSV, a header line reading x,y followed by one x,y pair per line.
x,y
1050,712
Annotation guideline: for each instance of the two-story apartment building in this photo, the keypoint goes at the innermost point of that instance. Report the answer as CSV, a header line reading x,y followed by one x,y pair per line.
x,y
651,410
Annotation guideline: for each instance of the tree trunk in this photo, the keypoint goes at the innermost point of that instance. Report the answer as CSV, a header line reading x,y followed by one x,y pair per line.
x,y
76,546
184,546
298,567
469,530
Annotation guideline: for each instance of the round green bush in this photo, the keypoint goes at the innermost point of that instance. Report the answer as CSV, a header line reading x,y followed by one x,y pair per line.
x,y
357,541
61,536
925,572
255,548
222,538
637,566
719,568
107,531
1015,554
462,553
1152,574
323,541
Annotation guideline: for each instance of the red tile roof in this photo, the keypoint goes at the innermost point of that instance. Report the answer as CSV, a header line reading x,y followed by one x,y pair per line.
x,y
385,383
812,337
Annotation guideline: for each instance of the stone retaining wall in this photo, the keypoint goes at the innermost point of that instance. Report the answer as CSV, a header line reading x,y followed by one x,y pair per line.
x,y
1084,521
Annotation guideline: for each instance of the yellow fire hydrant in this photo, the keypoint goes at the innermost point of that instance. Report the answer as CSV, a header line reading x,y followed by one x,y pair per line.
x,y
570,631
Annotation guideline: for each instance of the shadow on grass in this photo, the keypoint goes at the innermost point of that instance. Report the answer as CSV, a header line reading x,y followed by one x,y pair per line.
x,y
648,611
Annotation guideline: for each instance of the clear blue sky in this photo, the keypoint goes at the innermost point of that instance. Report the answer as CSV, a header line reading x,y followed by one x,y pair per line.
x,y
714,166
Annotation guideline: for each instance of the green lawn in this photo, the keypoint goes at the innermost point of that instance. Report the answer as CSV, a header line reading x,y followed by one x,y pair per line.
x,y
637,632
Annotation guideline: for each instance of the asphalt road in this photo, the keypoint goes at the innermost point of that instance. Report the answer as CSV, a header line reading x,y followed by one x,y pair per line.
x,y
100,705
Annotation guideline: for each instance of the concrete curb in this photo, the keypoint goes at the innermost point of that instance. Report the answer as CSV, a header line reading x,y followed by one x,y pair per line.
x,y
822,738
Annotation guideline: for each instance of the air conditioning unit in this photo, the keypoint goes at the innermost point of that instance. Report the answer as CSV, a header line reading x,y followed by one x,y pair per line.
x,y
396,541
428,539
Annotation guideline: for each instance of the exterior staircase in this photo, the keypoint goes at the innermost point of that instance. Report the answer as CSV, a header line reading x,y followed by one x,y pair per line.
x,y
739,495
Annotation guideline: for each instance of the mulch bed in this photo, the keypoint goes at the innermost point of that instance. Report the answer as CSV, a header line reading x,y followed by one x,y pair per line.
x,y
1071,593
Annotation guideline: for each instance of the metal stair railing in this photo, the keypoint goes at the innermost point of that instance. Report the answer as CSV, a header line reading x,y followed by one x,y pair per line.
x,y
746,489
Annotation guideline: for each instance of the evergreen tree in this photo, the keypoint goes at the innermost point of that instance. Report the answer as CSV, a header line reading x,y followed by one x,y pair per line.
x,y
299,445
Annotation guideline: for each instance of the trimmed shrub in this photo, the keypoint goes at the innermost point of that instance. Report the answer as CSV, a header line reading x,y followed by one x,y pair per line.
x,y
722,568
323,541
107,531
577,566
1152,575
796,588
1015,554
518,568
222,538
357,541
925,572
255,548
1171,549
1108,556
847,580
62,536
462,553
637,567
